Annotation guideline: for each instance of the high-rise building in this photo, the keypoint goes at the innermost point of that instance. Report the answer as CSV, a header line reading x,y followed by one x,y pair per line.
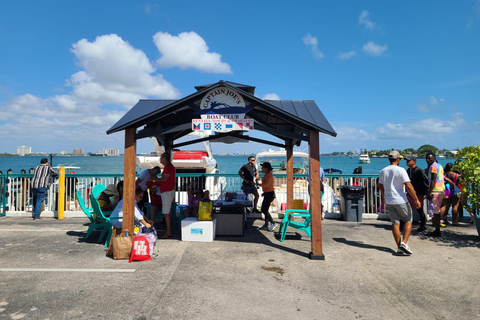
x,y
109,152
23,150
78,152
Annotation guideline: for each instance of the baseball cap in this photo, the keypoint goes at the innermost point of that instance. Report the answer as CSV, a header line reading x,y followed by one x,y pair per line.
x,y
394,154
267,165
408,158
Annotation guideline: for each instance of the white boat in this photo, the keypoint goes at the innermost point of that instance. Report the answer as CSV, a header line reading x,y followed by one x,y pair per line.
x,y
277,159
188,161
364,158
184,161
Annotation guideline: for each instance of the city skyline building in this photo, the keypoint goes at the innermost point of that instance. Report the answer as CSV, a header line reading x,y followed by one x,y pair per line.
x,y
23,150
78,152
109,152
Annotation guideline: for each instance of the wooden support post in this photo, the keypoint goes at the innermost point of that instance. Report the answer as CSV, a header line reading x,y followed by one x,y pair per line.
x,y
289,149
315,201
129,180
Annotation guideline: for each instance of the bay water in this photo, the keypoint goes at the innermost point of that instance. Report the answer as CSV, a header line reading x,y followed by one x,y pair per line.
x,y
226,164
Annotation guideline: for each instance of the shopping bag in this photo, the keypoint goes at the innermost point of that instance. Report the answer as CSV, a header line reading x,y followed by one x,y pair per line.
x,y
205,210
151,235
122,245
140,249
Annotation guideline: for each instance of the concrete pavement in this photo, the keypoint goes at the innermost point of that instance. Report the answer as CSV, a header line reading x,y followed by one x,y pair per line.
x,y
47,271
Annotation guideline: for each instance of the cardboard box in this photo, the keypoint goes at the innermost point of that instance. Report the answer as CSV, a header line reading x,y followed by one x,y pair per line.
x,y
199,231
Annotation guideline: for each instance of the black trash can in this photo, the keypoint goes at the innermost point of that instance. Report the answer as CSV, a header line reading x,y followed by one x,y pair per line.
x,y
352,203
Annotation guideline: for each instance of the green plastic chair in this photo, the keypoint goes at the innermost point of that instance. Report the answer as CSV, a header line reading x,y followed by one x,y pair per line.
x,y
106,221
296,213
97,189
89,213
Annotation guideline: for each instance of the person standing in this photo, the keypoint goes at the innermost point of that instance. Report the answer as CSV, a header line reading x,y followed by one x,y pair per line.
x,y
167,191
392,182
268,196
141,182
249,174
420,183
435,193
40,184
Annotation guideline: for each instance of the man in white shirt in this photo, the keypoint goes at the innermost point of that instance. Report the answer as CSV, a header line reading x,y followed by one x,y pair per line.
x,y
393,181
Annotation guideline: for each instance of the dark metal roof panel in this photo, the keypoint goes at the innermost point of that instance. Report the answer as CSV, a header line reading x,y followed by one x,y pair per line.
x,y
142,109
306,111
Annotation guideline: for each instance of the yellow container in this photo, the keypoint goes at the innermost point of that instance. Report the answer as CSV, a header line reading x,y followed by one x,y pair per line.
x,y
298,204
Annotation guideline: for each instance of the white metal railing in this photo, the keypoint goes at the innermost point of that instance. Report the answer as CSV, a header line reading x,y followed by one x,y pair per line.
x,y
19,191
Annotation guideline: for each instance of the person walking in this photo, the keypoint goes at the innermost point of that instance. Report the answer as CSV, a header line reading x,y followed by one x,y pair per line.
x,y
249,174
167,191
268,196
40,184
392,182
435,194
420,183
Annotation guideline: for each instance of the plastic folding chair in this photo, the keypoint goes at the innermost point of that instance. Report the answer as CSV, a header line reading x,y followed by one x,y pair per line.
x,y
288,221
90,215
97,189
106,221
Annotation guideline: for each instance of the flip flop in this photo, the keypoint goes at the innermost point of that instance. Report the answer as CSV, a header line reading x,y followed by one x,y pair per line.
x,y
166,236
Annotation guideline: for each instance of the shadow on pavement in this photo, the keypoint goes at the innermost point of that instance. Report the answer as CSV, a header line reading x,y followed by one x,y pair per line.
x,y
453,239
360,244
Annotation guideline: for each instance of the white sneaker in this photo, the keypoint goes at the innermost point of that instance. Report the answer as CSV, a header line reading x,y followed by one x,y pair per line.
x,y
405,248
401,253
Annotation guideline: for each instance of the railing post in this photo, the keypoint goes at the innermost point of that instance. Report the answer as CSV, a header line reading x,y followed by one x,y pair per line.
x,y
61,192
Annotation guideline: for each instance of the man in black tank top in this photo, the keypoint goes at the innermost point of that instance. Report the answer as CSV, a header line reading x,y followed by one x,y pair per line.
x,y
249,174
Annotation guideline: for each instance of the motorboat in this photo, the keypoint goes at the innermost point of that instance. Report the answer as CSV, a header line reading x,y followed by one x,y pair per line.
x,y
184,161
189,161
364,158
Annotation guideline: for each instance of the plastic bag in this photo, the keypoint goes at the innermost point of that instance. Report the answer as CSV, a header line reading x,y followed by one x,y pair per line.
x,y
205,210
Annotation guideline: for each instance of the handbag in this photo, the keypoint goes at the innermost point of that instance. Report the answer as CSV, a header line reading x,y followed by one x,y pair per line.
x,y
122,245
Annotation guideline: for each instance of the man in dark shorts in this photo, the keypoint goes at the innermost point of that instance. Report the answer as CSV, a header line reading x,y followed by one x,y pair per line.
x,y
249,174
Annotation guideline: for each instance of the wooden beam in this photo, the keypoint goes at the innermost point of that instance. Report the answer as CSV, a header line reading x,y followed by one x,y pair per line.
x,y
315,201
289,149
129,180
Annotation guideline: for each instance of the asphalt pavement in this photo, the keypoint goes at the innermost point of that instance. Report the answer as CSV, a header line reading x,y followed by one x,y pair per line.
x,y
48,271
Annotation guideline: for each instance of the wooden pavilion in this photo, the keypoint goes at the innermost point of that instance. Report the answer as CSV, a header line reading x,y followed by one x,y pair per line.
x,y
292,121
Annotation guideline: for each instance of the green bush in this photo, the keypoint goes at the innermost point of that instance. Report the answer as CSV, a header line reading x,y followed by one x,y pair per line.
x,y
468,166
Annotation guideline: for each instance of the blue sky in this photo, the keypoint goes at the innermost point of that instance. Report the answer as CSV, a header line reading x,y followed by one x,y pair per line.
x,y
386,74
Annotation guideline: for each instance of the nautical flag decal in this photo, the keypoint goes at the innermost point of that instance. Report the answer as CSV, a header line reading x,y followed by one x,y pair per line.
x,y
222,125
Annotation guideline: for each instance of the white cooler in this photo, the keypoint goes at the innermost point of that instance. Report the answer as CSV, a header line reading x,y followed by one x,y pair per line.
x,y
200,231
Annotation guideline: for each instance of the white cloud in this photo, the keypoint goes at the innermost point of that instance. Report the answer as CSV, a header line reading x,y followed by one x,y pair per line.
x,y
116,72
114,75
374,49
346,135
346,55
364,20
271,96
433,104
424,129
312,42
188,50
